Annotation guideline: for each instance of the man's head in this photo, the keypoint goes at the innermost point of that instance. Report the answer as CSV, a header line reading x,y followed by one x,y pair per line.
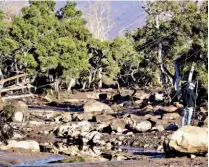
x,y
191,85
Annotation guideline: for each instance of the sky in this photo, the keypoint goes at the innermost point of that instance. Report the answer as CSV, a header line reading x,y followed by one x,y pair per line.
x,y
127,15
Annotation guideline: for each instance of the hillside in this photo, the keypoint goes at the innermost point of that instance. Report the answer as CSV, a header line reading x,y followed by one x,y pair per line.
x,y
125,15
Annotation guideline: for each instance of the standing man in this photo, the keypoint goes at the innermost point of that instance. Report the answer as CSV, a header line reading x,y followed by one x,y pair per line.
x,y
189,99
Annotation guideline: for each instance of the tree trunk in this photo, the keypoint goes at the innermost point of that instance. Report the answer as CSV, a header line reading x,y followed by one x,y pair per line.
x,y
177,79
191,73
100,77
162,77
89,80
83,85
1,78
72,82
118,88
56,84
16,69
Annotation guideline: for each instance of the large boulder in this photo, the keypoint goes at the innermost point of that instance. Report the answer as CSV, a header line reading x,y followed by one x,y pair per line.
x,y
188,139
96,106
18,111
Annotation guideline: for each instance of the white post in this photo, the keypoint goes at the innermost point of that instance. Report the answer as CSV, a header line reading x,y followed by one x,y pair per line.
x,y
191,73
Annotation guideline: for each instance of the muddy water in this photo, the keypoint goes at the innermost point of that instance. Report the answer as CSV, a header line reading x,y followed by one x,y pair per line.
x,y
42,161
72,109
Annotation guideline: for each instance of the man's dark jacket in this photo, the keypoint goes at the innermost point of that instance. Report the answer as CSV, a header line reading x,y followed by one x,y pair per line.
x,y
188,97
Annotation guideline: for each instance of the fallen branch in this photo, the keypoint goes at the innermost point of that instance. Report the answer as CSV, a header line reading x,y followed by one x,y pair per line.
x,y
16,88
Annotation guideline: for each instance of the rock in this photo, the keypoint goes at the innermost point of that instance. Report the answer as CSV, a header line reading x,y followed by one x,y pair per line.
x,y
171,116
153,118
17,117
121,138
69,150
96,106
105,126
141,95
62,129
132,119
75,129
159,128
118,125
157,107
127,104
120,157
160,148
58,119
193,156
85,116
143,126
178,105
172,127
27,144
50,114
91,137
20,105
169,109
103,118
108,146
66,116
159,97
18,111
130,134
138,102
37,123
204,105
148,108
94,152
203,110
1,104
103,96
188,139
206,121
82,116
17,136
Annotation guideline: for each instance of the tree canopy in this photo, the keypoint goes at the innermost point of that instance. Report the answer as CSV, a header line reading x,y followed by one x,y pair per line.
x,y
58,44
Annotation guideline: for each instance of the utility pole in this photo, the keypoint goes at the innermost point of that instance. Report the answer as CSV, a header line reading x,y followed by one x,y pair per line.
x,y
191,73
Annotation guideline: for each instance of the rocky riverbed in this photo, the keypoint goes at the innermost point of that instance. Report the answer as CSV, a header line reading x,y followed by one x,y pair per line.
x,y
86,131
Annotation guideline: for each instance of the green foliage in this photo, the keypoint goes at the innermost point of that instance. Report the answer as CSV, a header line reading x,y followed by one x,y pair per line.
x,y
42,41
183,34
